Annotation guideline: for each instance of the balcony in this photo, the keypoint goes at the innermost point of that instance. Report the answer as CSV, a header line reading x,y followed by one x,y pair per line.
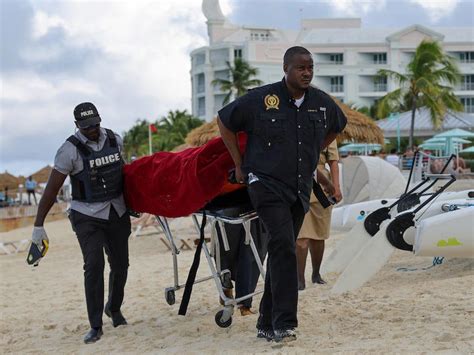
x,y
380,87
466,86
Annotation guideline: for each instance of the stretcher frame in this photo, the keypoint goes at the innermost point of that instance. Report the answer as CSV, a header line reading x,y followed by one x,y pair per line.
x,y
211,249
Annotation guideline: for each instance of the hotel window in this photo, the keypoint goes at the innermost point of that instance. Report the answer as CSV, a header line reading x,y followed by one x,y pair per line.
x,y
237,53
380,83
467,82
379,58
200,83
336,58
200,59
260,36
468,103
201,111
466,57
337,84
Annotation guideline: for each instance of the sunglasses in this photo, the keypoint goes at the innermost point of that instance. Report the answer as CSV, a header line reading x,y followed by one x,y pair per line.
x,y
88,128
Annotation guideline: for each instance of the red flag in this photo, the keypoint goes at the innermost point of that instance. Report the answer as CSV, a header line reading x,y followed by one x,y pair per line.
x,y
153,128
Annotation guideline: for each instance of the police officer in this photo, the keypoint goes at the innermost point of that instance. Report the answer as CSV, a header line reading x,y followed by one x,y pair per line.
x,y
92,159
287,124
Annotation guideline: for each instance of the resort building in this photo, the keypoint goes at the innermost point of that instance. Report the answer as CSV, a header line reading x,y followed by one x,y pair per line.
x,y
347,56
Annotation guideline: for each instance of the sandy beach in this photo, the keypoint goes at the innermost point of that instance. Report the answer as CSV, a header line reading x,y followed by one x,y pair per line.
x,y
43,309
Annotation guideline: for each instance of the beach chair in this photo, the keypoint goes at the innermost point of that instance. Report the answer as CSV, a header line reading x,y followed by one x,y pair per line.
x,y
148,220
14,247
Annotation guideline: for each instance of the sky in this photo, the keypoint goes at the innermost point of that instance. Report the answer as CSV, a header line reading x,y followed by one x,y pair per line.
x,y
131,58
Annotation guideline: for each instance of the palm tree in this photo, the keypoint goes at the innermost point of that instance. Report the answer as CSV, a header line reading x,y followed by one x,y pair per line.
x,y
423,85
177,124
240,79
134,138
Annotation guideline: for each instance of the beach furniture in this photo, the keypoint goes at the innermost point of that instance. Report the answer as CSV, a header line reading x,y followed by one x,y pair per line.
x,y
14,247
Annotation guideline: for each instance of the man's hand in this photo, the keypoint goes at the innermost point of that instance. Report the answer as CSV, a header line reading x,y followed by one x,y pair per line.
x,y
239,175
39,234
328,187
337,193
325,183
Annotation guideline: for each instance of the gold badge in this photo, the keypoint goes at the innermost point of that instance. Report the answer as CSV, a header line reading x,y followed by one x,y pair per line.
x,y
272,101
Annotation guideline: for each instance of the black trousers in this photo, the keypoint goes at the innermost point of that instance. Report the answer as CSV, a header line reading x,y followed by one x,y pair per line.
x,y
278,307
240,260
29,193
94,236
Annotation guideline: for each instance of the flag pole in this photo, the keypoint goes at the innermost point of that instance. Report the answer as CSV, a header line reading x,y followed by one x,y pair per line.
x,y
149,138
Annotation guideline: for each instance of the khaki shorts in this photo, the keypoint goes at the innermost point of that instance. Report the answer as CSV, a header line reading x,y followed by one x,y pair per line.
x,y
317,221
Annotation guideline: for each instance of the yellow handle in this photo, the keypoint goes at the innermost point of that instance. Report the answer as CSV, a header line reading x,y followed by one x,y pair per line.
x,y
45,247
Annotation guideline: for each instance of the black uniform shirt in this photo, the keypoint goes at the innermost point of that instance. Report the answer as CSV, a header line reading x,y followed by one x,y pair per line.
x,y
284,141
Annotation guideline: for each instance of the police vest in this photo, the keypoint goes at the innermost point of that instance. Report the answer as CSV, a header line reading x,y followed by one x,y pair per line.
x,y
101,179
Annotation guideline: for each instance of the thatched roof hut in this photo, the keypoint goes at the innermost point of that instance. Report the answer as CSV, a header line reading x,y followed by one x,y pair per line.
x,y
359,128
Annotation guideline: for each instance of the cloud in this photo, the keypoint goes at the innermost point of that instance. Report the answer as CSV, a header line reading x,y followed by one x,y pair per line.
x,y
437,9
130,58
356,7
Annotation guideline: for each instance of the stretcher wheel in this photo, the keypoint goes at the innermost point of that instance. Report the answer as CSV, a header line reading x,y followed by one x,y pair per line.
x,y
223,319
170,297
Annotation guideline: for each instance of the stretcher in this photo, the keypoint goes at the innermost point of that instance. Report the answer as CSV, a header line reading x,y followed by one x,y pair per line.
x,y
234,208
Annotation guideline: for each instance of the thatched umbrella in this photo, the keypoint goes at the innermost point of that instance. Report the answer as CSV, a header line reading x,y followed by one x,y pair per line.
x,y
42,175
8,180
359,128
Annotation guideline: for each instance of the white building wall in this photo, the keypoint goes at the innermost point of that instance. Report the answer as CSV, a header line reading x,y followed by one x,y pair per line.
x,y
326,36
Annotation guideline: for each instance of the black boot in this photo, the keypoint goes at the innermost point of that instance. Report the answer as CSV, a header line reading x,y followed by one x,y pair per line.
x,y
117,317
93,335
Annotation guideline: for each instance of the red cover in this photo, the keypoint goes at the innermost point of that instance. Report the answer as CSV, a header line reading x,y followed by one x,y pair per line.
x,y
178,184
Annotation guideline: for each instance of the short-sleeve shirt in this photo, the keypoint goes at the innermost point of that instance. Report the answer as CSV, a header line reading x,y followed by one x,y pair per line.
x,y
329,153
68,161
284,141
30,185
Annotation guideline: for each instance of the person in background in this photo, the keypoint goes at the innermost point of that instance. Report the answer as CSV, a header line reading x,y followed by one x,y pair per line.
x,y
317,222
393,158
92,158
30,186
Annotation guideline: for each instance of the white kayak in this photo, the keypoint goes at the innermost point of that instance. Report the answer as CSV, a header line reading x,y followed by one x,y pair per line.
x,y
348,247
448,235
436,221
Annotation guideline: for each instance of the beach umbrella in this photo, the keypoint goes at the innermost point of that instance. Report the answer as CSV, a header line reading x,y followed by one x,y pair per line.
x,y
443,140
359,147
359,128
9,181
468,150
456,132
450,135
42,175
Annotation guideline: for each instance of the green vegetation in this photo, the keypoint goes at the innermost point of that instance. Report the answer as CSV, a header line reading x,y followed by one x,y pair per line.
x,y
240,81
171,132
423,84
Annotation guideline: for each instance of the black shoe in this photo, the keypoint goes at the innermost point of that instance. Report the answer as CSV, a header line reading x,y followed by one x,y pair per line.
x,y
93,335
117,317
285,335
265,334
317,279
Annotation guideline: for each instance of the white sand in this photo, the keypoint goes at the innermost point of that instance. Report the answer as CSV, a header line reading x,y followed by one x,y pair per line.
x,y
43,309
